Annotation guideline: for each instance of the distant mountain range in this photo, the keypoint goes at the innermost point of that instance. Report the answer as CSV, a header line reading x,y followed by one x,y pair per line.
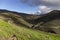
x,y
49,22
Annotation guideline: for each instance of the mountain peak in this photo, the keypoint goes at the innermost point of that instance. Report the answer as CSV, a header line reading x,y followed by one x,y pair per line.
x,y
55,11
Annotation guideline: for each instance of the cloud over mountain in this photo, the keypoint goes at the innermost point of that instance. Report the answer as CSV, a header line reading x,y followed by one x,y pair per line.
x,y
43,5
44,9
42,2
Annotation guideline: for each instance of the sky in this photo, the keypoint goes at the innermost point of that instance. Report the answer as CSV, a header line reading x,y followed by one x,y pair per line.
x,y
30,6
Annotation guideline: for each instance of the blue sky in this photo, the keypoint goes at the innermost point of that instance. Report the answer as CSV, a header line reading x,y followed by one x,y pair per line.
x,y
30,6
16,5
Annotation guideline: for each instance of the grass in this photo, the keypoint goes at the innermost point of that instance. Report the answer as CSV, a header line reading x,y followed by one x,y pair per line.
x,y
22,33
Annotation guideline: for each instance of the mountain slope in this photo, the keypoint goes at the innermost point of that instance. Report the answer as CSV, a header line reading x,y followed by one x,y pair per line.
x,y
18,18
49,22
11,31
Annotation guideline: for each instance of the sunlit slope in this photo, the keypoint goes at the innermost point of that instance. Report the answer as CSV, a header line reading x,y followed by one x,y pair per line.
x,y
18,19
22,33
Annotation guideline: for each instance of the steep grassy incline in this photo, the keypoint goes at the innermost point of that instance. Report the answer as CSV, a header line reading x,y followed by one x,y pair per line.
x,y
10,31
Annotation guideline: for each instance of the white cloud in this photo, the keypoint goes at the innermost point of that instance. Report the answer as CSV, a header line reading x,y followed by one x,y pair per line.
x,y
44,9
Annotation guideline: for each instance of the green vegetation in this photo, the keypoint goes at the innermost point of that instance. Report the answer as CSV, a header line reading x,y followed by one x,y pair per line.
x,y
19,26
22,33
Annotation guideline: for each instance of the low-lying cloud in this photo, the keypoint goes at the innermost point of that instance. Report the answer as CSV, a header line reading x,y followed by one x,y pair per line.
x,y
44,9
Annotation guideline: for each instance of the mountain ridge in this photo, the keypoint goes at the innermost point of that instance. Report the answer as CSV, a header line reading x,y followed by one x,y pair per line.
x,y
50,21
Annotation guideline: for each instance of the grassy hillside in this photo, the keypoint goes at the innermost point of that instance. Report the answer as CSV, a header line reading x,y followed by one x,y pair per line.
x,y
7,32
15,18
49,22
19,26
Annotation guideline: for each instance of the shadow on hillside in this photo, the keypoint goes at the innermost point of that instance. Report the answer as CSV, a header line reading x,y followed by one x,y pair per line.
x,y
15,20
47,18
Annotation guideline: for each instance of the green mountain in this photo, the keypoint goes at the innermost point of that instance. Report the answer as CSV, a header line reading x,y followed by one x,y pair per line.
x,y
18,26
12,32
